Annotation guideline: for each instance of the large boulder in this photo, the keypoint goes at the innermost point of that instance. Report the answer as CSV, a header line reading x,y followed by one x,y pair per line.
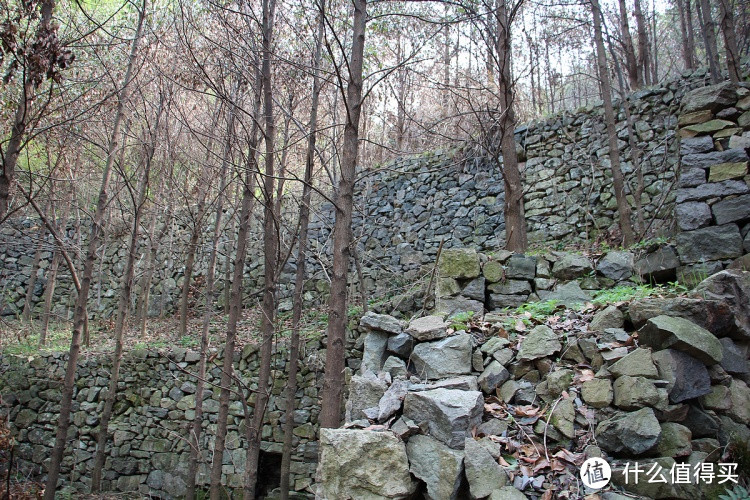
x,y
439,466
631,432
459,263
450,414
664,332
443,358
539,343
362,464
687,378
482,471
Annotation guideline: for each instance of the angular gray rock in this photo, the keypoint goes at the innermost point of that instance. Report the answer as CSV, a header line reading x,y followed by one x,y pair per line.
x,y
443,358
374,351
731,287
362,464
664,332
631,432
461,383
382,322
716,316
692,215
632,393
395,366
474,289
439,466
734,358
732,209
450,414
568,294
401,344
711,97
692,145
638,363
616,265
609,317
710,243
392,400
687,378
541,342
428,328
459,263
455,305
571,266
365,391
492,377
507,493
482,471
659,264
520,267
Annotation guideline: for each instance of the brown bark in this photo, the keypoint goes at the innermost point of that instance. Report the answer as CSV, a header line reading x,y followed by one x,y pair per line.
x,y
66,399
644,58
270,252
299,279
688,51
123,309
709,38
203,185
21,119
195,435
333,383
623,208
515,223
730,40
627,45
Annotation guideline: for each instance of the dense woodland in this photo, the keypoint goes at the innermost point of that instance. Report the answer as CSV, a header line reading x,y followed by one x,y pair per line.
x,y
133,111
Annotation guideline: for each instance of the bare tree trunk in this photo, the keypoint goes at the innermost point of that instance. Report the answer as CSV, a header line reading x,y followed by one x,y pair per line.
x,y
195,235
66,399
333,383
730,40
299,279
644,60
627,44
515,223
29,301
235,309
688,56
623,208
709,39
123,308
271,261
195,435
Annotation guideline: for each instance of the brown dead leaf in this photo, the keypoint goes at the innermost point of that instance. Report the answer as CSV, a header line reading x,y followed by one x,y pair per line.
x,y
547,495
585,375
519,326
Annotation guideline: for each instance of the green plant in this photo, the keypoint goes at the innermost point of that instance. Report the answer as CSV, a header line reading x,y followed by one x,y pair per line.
x,y
736,493
538,310
188,341
460,321
623,293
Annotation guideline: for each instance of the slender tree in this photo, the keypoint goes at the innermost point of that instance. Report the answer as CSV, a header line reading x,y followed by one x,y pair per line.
x,y
80,317
333,383
709,38
623,208
730,40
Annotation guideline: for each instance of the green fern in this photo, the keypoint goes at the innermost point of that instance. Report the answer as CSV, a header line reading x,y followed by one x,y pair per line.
x,y
736,493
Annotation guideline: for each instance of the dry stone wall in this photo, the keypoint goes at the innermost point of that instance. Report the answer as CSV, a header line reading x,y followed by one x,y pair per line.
x,y
148,450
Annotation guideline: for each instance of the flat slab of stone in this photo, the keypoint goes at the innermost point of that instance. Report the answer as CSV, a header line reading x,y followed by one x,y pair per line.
x,y
443,358
711,97
571,266
732,209
362,464
482,471
450,414
381,322
638,363
428,328
663,332
616,265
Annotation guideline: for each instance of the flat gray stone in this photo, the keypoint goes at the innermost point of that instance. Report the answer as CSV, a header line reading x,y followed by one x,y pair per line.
x,y
381,322
687,378
540,343
450,414
443,358
482,471
634,432
428,328
663,332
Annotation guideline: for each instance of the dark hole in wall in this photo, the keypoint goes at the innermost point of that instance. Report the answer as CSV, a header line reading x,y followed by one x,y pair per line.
x,y
269,473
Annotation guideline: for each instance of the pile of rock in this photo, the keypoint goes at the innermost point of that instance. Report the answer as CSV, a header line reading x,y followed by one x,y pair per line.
x,y
436,408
